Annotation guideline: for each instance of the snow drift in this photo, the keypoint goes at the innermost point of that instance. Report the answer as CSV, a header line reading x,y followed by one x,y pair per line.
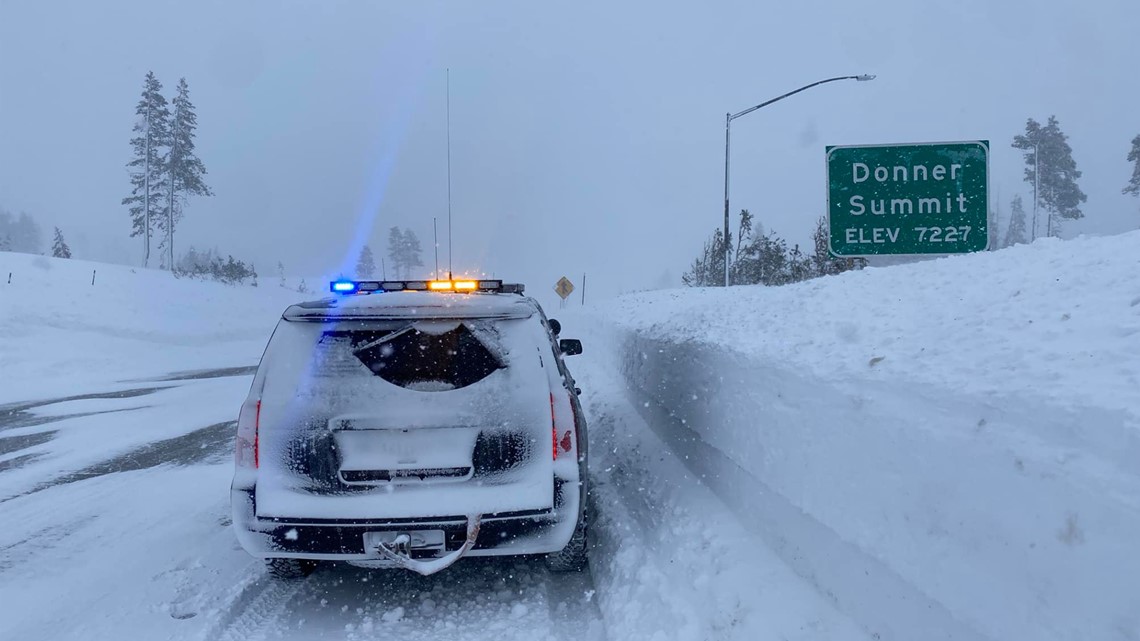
x,y
62,332
945,449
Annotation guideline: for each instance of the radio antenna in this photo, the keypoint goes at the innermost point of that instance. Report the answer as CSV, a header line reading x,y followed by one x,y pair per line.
x,y
435,236
449,276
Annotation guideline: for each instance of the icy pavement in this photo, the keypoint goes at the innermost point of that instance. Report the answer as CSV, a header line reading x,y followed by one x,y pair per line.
x,y
150,554
52,441
138,545
109,535
477,599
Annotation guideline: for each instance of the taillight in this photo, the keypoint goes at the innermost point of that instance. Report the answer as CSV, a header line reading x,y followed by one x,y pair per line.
x,y
566,442
246,454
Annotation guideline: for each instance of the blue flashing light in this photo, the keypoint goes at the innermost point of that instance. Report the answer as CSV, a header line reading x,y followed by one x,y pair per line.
x,y
343,287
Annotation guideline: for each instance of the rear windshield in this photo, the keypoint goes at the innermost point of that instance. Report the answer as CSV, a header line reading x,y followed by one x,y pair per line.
x,y
423,356
367,356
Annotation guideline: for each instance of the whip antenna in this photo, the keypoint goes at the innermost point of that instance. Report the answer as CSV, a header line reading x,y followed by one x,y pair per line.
x,y
449,173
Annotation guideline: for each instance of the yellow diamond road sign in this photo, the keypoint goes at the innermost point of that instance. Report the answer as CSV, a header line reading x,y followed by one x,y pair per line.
x,y
564,287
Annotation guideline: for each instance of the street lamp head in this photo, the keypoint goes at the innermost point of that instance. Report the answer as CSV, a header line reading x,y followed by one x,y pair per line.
x,y
865,77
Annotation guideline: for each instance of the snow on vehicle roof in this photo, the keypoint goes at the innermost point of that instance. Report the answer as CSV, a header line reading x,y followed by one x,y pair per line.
x,y
415,304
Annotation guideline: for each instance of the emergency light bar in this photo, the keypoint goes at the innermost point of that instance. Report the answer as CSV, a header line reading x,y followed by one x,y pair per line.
x,y
380,286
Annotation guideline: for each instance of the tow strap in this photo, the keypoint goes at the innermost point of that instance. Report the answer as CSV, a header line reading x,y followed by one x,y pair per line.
x,y
400,554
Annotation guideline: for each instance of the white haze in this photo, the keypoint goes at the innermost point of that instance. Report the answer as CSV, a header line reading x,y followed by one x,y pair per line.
x,y
586,136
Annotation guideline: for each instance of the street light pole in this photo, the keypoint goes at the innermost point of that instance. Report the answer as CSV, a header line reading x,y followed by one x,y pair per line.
x,y
727,126
729,117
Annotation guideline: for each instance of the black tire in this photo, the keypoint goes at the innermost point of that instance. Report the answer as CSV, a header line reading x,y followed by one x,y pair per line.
x,y
575,556
290,569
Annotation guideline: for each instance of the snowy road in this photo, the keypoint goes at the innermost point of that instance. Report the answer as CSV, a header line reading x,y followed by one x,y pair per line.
x,y
115,511
138,541
115,463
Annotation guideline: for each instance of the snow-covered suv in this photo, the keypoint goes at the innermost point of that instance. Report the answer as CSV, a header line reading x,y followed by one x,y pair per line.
x,y
410,423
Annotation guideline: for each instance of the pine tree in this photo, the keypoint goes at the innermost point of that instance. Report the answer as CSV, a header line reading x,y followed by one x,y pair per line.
x,y
694,277
59,248
396,250
184,169
1016,235
823,263
148,165
302,288
821,258
404,252
760,258
281,273
22,233
1047,152
739,259
366,266
28,237
799,266
707,270
1134,157
413,252
744,231
771,260
194,264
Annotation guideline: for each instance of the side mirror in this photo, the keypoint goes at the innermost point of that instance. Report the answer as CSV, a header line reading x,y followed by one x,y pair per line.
x,y
555,326
570,346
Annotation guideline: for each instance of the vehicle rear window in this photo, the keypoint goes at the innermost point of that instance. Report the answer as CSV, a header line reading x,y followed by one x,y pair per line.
x,y
423,356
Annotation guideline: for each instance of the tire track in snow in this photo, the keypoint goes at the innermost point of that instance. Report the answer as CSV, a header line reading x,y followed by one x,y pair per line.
x,y
200,446
255,606
13,415
492,599
574,613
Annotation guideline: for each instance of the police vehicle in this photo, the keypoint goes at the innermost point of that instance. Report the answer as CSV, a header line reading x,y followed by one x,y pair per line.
x,y
408,424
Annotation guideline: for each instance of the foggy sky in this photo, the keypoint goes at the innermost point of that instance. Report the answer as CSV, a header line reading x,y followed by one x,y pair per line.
x,y
586,136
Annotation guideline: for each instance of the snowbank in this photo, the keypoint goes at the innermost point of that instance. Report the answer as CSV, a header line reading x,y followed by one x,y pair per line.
x,y
669,560
1058,321
945,449
62,333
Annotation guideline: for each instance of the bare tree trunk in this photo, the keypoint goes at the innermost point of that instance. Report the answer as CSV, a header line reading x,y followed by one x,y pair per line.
x,y
170,204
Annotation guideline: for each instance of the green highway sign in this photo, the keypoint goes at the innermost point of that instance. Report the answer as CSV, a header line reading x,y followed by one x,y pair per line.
x,y
916,199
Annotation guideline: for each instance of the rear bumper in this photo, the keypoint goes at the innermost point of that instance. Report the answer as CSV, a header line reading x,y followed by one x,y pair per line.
x,y
500,534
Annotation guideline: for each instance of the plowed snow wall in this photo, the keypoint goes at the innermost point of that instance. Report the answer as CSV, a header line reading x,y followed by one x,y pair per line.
x,y
924,513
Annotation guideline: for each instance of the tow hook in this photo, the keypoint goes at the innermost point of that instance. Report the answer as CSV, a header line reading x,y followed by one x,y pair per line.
x,y
399,552
401,545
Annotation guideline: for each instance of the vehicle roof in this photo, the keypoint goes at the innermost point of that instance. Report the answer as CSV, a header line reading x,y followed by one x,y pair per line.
x,y
415,304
